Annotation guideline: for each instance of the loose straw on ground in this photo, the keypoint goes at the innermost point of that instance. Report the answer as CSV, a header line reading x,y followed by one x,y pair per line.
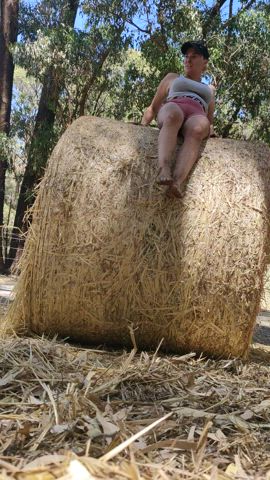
x,y
175,417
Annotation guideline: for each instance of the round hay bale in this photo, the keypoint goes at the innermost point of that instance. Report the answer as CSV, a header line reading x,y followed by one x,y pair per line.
x,y
107,249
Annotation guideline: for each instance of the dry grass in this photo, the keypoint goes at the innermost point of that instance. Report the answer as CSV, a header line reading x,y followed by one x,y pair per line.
x,y
265,301
73,413
107,249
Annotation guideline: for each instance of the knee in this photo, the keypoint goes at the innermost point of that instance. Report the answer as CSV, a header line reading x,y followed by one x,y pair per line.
x,y
173,118
199,131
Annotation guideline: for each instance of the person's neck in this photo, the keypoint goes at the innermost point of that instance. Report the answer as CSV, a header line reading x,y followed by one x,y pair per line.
x,y
196,78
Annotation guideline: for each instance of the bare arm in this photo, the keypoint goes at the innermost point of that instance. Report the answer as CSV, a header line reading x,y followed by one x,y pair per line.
x,y
211,109
161,94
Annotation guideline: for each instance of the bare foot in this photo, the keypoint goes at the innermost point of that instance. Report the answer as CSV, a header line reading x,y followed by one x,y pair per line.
x,y
164,177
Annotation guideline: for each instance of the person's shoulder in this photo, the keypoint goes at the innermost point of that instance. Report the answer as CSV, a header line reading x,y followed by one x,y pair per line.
x,y
171,76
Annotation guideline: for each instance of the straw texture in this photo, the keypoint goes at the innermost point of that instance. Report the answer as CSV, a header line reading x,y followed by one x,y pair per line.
x,y
72,413
107,248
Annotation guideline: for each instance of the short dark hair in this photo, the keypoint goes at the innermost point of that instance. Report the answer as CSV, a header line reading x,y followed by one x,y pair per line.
x,y
199,46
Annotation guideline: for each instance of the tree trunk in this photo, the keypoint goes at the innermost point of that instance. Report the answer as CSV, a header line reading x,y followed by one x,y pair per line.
x,y
8,34
211,16
43,137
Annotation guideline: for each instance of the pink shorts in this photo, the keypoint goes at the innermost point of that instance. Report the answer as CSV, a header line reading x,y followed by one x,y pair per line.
x,y
188,106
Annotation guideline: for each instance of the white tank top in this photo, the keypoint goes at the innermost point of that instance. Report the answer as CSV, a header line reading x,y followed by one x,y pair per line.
x,y
183,86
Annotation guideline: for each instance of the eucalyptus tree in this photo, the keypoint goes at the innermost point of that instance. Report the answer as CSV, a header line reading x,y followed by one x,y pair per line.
x,y
241,71
58,15
68,63
8,35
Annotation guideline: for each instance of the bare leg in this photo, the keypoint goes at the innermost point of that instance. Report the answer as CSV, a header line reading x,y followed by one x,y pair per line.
x,y
195,129
170,120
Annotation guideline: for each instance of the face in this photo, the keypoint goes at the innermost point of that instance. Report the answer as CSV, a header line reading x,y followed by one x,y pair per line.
x,y
194,63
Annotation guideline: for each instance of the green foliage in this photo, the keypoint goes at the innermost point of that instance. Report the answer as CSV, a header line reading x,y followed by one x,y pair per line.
x,y
102,78
8,155
240,68
124,88
26,93
8,150
42,15
5,147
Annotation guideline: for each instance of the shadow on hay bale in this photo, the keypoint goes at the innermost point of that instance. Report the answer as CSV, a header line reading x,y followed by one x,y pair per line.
x,y
107,249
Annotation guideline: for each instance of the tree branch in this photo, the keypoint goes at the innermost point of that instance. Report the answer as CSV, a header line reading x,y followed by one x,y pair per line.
x,y
246,7
213,12
148,31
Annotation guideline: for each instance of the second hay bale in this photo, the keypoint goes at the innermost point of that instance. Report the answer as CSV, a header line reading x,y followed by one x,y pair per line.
x,y
107,249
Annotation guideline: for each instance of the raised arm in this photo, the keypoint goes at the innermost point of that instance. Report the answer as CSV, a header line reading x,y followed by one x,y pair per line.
x,y
161,93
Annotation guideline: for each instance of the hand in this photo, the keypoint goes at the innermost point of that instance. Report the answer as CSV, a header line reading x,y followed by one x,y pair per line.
x,y
148,116
212,133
